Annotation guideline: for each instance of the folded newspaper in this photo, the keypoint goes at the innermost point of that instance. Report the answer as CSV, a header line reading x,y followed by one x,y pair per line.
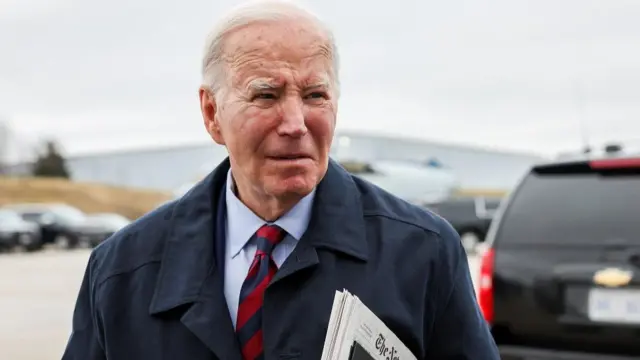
x,y
356,333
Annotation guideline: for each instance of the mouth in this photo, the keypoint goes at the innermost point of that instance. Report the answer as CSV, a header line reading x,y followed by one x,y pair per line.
x,y
290,157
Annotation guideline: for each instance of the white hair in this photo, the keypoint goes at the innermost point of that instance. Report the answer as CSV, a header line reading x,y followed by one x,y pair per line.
x,y
213,63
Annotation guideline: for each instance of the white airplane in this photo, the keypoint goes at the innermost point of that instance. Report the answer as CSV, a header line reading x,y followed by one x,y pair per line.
x,y
413,182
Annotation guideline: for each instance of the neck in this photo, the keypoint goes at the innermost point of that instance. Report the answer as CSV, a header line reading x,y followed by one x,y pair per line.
x,y
268,208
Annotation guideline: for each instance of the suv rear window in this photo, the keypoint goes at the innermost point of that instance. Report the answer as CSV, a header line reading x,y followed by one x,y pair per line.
x,y
573,206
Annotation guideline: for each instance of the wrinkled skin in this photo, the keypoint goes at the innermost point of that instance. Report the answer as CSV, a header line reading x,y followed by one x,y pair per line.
x,y
277,115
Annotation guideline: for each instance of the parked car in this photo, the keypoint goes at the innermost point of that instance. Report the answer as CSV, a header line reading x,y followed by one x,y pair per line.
x,y
98,227
60,224
16,232
470,216
560,278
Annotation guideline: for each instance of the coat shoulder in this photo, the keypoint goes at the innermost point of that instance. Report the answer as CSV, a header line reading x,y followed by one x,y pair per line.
x,y
377,202
134,246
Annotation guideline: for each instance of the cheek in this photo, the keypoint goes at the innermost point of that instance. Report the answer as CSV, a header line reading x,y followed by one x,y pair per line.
x,y
251,128
321,126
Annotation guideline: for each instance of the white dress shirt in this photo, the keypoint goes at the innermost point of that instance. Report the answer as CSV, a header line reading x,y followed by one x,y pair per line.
x,y
242,223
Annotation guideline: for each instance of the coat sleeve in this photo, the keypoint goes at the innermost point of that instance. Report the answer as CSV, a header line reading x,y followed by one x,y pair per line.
x,y
84,342
459,330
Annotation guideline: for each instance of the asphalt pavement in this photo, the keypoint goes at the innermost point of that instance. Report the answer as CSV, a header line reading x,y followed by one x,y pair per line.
x,y
37,296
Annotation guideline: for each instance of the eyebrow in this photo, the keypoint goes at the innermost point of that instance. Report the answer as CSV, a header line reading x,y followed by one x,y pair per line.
x,y
262,84
323,83
267,84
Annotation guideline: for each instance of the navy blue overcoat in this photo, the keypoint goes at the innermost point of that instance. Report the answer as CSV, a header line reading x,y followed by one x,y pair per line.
x,y
154,290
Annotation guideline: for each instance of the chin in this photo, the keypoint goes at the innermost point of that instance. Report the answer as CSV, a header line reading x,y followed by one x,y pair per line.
x,y
293,185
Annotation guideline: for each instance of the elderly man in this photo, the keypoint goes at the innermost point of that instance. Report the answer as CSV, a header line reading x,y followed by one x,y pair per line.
x,y
246,264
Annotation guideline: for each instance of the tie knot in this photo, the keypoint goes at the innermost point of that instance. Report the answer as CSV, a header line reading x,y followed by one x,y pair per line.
x,y
268,237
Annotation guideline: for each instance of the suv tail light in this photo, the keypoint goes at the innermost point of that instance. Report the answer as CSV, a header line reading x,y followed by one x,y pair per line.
x,y
620,163
485,285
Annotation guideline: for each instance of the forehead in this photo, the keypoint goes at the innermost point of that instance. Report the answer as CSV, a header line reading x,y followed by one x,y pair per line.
x,y
283,50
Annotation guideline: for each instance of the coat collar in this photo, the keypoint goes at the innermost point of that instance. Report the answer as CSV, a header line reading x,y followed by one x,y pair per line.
x,y
188,272
337,220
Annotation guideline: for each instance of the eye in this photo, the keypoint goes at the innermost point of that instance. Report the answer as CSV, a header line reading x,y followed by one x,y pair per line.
x,y
316,95
264,96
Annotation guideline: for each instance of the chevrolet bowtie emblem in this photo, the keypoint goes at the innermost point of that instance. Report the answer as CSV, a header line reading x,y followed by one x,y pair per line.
x,y
612,277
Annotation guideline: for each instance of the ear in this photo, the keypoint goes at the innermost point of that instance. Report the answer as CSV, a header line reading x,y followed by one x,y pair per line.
x,y
210,115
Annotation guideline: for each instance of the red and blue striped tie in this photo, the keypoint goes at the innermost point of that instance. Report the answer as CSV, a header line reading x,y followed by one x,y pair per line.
x,y
262,270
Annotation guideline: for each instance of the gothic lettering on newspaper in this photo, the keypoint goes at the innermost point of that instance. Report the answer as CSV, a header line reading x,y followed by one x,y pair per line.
x,y
356,333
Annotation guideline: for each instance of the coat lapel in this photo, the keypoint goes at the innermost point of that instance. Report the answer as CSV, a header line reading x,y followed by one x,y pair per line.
x,y
189,275
208,319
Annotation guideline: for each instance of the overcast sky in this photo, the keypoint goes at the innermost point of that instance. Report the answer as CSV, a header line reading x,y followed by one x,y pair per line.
x,y
510,74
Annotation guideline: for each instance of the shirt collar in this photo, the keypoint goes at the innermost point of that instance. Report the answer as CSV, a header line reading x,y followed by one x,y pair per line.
x,y
242,223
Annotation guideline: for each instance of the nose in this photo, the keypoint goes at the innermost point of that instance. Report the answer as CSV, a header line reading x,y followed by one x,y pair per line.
x,y
293,119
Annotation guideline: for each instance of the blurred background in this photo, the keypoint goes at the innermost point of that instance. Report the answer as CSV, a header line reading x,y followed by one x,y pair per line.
x,y
447,104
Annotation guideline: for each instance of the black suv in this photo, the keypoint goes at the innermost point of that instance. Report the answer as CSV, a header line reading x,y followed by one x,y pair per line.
x,y
561,276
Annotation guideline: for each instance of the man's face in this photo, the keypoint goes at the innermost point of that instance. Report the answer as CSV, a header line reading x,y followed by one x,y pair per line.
x,y
278,113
